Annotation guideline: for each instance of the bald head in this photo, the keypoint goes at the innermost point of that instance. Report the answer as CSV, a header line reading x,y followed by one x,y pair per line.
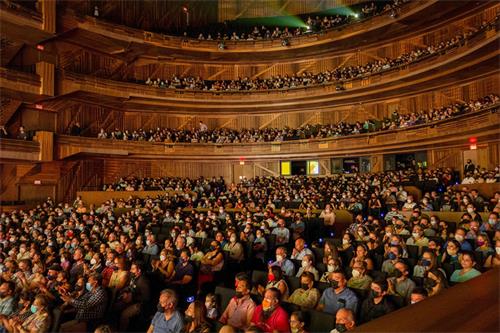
x,y
346,317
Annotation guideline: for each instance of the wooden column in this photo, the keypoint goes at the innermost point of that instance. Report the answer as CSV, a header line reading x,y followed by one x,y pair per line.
x,y
46,72
48,8
46,140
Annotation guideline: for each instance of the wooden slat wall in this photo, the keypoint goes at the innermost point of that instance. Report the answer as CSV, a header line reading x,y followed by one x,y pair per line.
x,y
230,9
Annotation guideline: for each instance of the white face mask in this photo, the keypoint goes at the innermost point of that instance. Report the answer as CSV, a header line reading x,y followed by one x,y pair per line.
x,y
233,239
355,273
279,257
459,238
93,261
345,241
331,268
498,250
208,305
163,258
305,264
415,235
470,210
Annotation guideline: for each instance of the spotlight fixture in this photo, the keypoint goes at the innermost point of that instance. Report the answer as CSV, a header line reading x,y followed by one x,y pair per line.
x,y
356,15
308,28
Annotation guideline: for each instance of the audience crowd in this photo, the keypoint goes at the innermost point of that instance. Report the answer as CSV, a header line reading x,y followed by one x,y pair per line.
x,y
226,135
313,24
339,74
247,261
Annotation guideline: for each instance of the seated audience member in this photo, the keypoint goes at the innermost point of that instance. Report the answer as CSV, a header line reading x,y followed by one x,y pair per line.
x,y
418,238
168,318
135,298
239,312
90,307
377,304
361,254
306,296
183,272
344,321
7,299
468,271
270,316
120,277
338,295
195,319
282,233
332,265
297,322
451,255
211,263
300,250
211,306
493,260
308,266
275,279
285,264
392,258
360,279
460,238
418,295
400,284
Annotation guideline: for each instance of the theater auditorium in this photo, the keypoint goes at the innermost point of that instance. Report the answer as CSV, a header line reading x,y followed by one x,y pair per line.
x,y
249,166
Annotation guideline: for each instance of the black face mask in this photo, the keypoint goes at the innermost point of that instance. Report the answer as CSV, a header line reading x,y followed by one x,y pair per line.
x,y
188,319
239,294
429,283
334,284
304,286
374,294
398,273
341,328
160,308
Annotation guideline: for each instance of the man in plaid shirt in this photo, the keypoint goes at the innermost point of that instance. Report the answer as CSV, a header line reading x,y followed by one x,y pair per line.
x,y
90,307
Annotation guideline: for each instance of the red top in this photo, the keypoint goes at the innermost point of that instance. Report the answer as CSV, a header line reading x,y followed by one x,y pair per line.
x,y
277,321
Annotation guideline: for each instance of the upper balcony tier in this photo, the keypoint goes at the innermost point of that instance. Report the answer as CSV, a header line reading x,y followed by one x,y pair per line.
x,y
477,58
416,18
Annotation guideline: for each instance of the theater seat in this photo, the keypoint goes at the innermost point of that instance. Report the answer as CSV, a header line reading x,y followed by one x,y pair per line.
x,y
319,321
225,295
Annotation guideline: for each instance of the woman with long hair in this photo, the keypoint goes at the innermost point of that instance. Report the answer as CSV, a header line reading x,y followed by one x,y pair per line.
x,y
195,318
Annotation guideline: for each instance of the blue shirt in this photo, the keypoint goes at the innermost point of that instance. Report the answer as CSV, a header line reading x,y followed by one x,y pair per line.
x,y
173,325
333,302
287,267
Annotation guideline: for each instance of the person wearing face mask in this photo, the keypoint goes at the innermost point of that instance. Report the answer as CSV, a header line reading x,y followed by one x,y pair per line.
x,y
38,321
460,238
286,265
211,306
393,255
164,266
297,322
21,314
195,319
211,264
332,264
338,295
493,261
360,279
492,223
400,284
259,247
135,298
376,304
308,266
417,237
89,308
167,318
344,321
300,249
418,295
282,233
151,247
241,307
306,296
275,280
270,316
